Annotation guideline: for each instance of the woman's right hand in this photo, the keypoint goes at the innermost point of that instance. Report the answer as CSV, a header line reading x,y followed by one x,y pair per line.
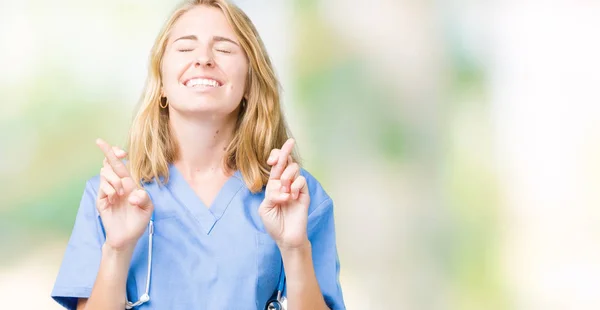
x,y
125,208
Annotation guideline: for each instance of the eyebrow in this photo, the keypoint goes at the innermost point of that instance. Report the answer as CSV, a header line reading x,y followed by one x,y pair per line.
x,y
214,39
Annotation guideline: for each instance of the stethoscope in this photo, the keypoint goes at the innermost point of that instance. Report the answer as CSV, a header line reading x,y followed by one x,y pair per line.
x,y
277,302
145,297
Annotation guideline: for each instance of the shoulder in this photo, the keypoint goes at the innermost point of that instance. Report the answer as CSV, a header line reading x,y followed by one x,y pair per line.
x,y
93,183
319,198
90,193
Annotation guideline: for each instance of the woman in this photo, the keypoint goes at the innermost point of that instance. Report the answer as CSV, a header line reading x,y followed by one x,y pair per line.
x,y
222,215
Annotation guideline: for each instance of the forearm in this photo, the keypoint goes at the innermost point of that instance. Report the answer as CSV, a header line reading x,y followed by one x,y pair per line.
x,y
302,288
108,292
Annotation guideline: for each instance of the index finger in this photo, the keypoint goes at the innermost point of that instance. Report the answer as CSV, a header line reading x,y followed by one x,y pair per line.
x,y
284,153
116,164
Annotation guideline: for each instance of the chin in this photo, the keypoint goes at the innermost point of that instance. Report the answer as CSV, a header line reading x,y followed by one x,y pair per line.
x,y
209,108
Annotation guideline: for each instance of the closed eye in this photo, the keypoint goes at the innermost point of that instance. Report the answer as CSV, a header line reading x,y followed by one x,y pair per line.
x,y
224,51
185,50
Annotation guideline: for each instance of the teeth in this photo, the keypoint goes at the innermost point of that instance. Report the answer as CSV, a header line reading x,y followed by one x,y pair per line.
x,y
202,82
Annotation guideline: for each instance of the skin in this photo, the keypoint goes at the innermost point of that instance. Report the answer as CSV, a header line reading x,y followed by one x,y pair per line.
x,y
202,120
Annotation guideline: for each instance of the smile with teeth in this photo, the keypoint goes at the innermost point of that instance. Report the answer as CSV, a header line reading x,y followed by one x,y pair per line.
x,y
202,82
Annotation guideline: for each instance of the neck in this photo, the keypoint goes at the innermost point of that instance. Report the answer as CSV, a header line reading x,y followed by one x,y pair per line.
x,y
202,144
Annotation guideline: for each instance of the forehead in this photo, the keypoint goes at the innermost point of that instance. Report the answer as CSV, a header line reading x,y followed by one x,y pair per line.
x,y
202,21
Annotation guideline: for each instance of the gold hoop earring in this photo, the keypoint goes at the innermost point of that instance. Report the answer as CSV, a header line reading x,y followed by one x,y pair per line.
x,y
163,102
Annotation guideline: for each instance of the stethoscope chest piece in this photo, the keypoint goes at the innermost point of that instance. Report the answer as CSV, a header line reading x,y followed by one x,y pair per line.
x,y
276,304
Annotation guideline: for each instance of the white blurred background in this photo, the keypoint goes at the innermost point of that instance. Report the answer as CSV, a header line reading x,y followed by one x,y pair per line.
x,y
460,140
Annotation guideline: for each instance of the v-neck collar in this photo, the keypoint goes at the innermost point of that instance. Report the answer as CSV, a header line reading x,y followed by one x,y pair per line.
x,y
206,216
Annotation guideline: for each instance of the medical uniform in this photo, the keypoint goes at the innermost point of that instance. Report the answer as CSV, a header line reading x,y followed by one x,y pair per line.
x,y
202,258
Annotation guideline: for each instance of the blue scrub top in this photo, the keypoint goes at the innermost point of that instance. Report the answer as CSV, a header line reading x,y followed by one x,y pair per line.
x,y
203,258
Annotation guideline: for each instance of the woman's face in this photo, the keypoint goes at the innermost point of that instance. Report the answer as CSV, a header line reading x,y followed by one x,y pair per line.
x,y
204,69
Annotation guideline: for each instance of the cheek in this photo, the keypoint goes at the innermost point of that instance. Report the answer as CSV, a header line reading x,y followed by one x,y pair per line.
x,y
171,69
238,76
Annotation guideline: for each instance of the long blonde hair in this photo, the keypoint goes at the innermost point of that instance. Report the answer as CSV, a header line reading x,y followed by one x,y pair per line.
x,y
260,126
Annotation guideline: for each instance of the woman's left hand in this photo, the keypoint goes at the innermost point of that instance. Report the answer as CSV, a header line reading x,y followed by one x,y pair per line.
x,y
284,211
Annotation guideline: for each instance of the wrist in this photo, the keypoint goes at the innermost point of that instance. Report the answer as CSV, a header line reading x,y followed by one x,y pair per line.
x,y
295,251
117,253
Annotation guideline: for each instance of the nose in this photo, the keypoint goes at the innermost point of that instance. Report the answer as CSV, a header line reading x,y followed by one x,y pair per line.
x,y
204,60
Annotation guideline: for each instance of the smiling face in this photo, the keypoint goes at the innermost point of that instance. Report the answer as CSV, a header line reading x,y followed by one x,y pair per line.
x,y
198,31
203,69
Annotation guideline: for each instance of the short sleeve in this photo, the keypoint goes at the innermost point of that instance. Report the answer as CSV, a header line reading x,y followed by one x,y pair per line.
x,y
321,233
82,257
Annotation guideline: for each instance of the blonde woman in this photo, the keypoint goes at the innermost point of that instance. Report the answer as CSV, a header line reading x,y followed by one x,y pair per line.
x,y
210,210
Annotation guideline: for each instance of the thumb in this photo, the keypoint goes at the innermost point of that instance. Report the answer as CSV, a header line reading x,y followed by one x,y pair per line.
x,y
140,198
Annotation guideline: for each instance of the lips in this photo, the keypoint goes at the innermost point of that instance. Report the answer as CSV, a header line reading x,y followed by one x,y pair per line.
x,y
202,81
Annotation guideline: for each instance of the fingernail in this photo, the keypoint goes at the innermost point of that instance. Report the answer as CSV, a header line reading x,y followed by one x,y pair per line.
x,y
121,192
284,195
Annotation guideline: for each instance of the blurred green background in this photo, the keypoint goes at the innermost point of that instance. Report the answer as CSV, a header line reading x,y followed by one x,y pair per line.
x,y
458,139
